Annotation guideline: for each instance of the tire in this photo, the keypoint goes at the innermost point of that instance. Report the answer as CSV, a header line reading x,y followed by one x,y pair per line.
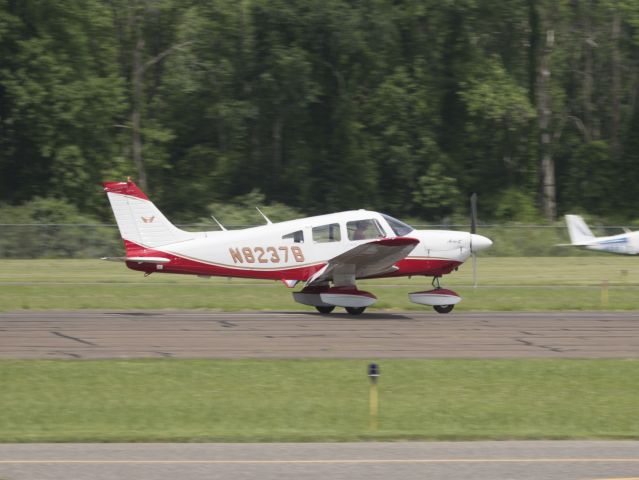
x,y
355,310
443,308
325,309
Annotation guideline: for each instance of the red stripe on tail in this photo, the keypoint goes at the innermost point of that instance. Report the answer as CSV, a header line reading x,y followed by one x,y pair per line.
x,y
125,188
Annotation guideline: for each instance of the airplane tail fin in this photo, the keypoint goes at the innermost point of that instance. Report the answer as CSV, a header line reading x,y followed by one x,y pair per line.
x,y
578,230
139,220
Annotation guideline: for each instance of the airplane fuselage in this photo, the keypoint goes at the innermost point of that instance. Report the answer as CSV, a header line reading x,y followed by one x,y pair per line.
x,y
297,249
624,243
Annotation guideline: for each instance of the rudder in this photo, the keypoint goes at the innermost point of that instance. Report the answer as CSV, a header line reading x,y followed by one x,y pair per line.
x,y
138,219
578,230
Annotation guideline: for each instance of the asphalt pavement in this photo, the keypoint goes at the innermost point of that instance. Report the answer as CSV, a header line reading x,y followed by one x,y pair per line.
x,y
201,334
294,334
528,460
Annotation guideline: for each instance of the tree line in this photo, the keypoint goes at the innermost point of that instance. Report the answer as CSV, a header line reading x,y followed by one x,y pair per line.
x,y
404,106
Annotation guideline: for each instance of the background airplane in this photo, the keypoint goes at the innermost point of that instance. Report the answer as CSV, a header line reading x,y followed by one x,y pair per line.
x,y
581,236
327,252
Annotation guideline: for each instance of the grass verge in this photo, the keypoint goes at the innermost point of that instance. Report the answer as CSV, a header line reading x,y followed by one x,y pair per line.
x,y
559,283
316,400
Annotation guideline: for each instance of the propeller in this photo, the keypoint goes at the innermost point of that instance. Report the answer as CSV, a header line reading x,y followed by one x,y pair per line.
x,y
477,242
473,231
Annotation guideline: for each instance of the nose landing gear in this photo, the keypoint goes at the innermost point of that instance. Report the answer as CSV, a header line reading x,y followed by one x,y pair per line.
x,y
443,308
355,310
441,299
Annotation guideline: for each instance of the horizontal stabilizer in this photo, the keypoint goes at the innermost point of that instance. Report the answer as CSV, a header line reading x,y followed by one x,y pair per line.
x,y
574,244
138,259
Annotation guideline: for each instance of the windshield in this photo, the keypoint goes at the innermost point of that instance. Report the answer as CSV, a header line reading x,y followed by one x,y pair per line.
x,y
364,230
400,228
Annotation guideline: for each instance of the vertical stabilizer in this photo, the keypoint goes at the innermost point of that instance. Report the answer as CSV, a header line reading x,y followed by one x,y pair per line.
x,y
578,230
139,220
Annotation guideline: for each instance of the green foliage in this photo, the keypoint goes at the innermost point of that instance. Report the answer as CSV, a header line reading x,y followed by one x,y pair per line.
x,y
61,97
495,97
241,211
52,228
437,194
516,205
321,105
593,179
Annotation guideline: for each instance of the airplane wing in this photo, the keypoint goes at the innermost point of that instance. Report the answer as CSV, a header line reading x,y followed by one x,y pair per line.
x,y
372,258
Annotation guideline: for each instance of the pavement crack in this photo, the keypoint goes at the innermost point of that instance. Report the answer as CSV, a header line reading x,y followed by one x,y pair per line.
x,y
73,355
534,345
227,324
69,337
296,336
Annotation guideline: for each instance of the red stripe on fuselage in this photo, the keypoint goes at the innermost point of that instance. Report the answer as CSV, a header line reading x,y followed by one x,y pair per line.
x,y
431,267
189,266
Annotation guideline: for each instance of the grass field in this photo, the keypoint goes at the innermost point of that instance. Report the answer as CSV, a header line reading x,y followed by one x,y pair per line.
x,y
508,283
197,400
239,400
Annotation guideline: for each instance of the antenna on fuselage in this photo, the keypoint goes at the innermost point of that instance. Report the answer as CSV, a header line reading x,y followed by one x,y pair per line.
x,y
265,217
218,223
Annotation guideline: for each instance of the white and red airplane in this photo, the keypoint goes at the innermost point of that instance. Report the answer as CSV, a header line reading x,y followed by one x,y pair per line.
x,y
329,253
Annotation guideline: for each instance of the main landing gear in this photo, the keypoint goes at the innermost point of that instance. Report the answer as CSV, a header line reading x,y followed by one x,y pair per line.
x,y
325,298
325,309
350,310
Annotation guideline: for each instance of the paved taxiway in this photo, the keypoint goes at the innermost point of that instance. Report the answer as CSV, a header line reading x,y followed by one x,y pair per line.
x,y
568,460
201,334
183,334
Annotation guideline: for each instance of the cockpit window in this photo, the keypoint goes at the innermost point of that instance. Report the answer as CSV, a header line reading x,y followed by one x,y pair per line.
x,y
327,233
400,228
297,237
364,230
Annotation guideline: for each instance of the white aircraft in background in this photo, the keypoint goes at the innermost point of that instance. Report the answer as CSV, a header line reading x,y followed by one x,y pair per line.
x,y
328,252
581,236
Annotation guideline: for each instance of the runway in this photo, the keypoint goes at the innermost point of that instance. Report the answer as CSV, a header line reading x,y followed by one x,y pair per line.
x,y
567,460
294,334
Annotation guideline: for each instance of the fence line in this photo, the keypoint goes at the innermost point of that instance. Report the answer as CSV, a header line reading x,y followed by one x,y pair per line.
x,y
94,240
452,226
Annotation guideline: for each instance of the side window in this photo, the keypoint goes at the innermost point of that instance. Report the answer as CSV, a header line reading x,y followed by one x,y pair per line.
x,y
297,237
364,230
327,233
